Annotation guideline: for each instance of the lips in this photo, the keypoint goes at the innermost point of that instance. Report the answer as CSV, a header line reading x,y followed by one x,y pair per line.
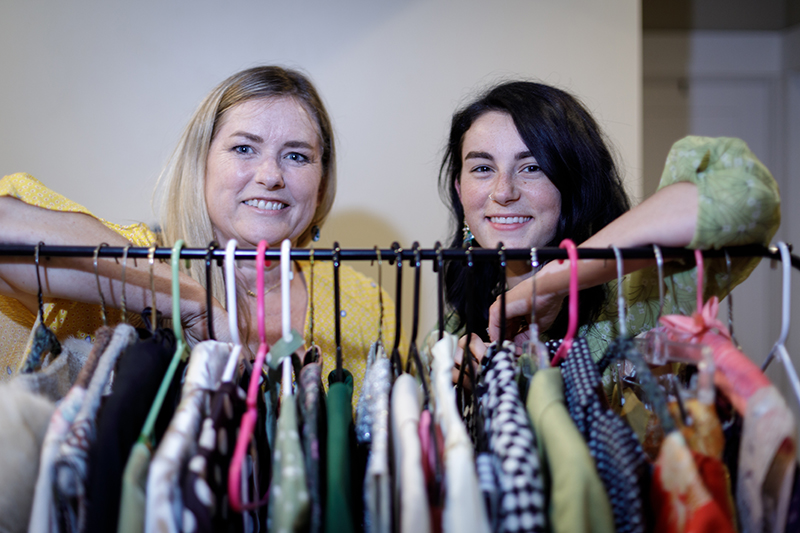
x,y
266,205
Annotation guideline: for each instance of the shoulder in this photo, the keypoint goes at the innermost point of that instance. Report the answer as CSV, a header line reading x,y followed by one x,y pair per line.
x,y
30,190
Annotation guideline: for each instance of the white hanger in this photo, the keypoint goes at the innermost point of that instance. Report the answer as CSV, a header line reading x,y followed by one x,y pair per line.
x,y
233,320
780,349
286,315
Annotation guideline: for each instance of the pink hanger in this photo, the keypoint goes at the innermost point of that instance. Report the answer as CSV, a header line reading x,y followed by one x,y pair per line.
x,y
249,418
566,344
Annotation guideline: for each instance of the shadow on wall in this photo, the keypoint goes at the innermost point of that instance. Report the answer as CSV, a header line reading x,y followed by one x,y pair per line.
x,y
356,228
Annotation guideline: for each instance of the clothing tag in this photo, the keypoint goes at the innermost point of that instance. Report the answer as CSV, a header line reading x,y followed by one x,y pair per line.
x,y
282,349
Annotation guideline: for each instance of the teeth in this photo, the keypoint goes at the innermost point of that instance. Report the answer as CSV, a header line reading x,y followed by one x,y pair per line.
x,y
269,206
509,220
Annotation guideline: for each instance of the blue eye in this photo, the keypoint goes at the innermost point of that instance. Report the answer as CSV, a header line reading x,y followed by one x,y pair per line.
x,y
294,156
243,149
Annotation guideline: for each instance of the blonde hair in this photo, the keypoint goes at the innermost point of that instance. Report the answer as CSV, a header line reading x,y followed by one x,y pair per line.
x,y
180,191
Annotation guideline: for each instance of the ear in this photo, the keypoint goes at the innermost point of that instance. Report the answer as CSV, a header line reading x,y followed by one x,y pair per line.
x,y
458,189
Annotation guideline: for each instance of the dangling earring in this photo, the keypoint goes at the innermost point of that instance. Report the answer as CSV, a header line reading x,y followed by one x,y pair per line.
x,y
469,238
315,233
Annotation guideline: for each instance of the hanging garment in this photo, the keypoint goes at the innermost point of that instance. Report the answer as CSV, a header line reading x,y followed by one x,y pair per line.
x,y
137,377
681,502
464,508
43,513
288,493
340,513
311,398
488,470
205,490
619,458
411,513
377,481
164,511
133,501
522,497
24,419
71,464
578,500
431,449
58,373
767,448
363,415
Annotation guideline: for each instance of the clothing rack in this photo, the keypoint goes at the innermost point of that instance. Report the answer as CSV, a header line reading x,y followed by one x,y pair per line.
x,y
407,254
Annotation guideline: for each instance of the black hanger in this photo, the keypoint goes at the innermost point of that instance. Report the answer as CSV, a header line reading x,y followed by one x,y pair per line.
x,y
397,364
466,360
44,339
438,267
502,251
413,352
312,354
209,251
337,316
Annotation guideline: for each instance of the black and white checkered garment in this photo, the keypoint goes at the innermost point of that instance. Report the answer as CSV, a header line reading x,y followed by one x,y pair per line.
x,y
511,439
619,459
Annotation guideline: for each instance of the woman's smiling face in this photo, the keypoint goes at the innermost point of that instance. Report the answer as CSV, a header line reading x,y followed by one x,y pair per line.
x,y
506,196
263,172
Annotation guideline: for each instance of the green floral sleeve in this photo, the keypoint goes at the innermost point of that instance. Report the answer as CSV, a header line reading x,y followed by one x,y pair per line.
x,y
738,203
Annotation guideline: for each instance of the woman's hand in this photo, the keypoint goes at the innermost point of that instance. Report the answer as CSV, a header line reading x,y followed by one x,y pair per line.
x,y
478,349
550,294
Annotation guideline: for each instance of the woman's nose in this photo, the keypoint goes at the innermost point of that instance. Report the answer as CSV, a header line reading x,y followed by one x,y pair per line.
x,y
270,174
505,190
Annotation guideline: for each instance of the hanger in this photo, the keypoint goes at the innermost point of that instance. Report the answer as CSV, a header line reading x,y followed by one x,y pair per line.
x,y
231,304
97,278
44,340
250,416
312,354
572,327
413,352
534,349
181,349
501,250
779,350
288,335
151,255
124,268
211,247
397,364
380,296
466,360
438,267
337,315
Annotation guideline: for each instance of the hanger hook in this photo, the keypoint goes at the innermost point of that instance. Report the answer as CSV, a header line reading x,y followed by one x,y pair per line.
x,y
466,360
97,278
151,256
534,270
230,285
397,364
209,254
621,303
660,269
39,280
439,264
124,304
415,321
380,295
729,290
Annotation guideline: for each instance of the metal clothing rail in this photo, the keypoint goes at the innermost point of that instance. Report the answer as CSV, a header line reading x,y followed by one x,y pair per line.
x,y
390,254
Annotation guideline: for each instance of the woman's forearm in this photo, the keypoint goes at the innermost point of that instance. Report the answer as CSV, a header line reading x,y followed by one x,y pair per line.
x,y
73,278
668,218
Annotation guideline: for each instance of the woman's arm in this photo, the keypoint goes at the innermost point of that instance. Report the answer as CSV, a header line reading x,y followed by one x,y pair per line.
x,y
73,278
668,218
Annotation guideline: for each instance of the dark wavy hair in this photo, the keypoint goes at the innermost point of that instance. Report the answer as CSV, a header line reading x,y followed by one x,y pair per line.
x,y
572,151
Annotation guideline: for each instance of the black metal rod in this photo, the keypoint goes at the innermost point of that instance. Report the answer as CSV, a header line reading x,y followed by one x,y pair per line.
x,y
353,254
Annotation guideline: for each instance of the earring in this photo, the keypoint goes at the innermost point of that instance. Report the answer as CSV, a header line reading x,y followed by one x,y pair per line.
x,y
469,238
315,233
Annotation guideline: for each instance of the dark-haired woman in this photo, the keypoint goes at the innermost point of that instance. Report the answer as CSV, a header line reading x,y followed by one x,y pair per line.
x,y
527,165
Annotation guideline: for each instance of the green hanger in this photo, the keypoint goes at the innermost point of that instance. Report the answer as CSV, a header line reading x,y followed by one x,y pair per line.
x,y
181,350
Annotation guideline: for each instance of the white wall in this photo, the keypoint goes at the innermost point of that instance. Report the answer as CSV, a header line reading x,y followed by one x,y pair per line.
x,y
95,93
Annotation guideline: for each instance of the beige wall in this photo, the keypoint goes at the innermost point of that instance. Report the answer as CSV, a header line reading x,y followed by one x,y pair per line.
x,y
94,93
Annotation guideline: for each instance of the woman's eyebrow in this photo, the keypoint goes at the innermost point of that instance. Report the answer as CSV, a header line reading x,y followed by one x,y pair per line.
x,y
524,155
298,144
249,136
479,155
